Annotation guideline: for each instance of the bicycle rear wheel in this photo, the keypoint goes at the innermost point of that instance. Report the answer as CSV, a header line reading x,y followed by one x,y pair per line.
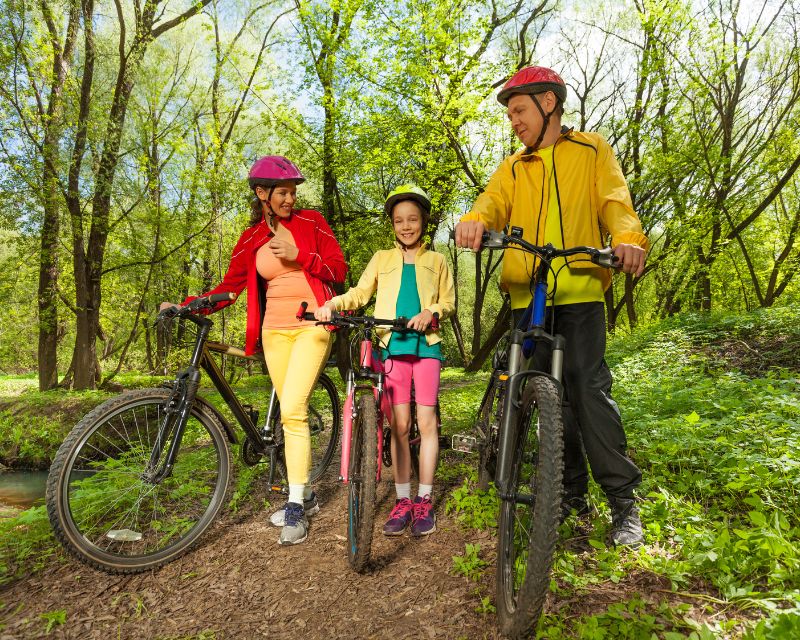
x,y
324,424
489,416
528,527
362,486
104,504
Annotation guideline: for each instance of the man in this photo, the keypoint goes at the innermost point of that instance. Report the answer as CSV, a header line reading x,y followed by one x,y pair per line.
x,y
567,188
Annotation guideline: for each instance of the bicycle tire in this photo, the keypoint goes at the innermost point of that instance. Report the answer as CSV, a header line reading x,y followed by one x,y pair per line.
x,y
528,533
324,423
362,486
489,417
103,510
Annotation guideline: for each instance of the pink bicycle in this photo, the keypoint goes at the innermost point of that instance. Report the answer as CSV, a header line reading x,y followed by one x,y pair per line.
x,y
363,433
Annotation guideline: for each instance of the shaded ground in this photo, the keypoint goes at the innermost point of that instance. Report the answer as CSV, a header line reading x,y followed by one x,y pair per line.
x,y
240,584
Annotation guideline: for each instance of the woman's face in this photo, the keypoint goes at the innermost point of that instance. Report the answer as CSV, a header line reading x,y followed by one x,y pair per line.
x,y
282,199
407,222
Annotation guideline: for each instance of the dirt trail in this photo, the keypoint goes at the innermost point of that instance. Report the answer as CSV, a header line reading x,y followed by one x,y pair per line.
x,y
240,584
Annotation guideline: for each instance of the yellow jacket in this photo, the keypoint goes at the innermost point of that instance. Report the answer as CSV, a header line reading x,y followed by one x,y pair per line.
x,y
384,273
593,198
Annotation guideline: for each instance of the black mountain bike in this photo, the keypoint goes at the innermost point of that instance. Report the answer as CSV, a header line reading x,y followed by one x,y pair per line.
x,y
520,441
142,476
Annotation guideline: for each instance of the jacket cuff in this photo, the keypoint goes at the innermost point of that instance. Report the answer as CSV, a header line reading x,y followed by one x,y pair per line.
x,y
472,216
436,308
303,258
631,237
335,303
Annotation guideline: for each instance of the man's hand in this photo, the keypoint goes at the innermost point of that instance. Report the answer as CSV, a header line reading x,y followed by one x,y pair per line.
x,y
469,234
421,321
631,258
324,313
282,249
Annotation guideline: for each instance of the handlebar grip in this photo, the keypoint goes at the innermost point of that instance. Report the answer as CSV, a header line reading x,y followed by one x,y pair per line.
x,y
221,297
435,322
301,312
605,258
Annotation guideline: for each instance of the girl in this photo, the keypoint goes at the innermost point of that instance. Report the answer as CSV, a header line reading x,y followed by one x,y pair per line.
x,y
413,282
284,257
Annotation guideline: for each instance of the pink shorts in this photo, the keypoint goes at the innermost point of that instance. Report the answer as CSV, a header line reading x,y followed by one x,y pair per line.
x,y
400,370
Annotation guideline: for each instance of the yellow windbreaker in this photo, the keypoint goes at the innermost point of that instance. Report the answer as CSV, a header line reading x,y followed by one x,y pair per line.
x,y
384,274
593,201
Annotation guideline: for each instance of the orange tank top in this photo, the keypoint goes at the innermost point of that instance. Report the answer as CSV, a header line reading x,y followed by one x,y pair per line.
x,y
287,286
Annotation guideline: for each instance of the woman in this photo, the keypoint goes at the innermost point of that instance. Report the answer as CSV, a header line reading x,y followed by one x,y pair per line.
x,y
286,256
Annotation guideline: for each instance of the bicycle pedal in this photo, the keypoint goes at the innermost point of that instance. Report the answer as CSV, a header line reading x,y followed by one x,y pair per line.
x,y
465,443
277,488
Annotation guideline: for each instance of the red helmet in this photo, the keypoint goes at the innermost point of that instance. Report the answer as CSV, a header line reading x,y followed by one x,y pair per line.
x,y
270,170
532,80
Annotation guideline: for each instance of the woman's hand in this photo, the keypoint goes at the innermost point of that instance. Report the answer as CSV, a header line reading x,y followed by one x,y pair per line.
x,y
421,321
282,249
167,305
324,313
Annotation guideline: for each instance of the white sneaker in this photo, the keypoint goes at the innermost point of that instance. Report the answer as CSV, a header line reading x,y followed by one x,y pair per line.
x,y
295,530
310,506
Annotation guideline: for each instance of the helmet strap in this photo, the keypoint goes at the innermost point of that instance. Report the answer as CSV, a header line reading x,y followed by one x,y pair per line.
x,y
545,121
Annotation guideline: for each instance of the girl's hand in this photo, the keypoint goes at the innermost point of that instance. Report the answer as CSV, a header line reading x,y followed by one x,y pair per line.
x,y
323,313
421,321
282,249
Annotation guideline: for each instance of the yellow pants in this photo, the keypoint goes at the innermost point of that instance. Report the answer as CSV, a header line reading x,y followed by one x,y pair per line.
x,y
295,358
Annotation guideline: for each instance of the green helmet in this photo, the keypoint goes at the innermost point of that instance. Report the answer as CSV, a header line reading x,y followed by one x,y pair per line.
x,y
408,192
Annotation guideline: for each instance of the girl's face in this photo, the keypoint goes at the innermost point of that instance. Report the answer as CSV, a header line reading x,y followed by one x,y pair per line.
x,y
407,222
283,197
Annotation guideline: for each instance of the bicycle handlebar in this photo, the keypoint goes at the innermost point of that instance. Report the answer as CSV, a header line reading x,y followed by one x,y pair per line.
x,y
500,240
198,304
343,320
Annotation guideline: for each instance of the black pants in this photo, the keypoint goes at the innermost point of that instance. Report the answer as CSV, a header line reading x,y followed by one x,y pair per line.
x,y
592,423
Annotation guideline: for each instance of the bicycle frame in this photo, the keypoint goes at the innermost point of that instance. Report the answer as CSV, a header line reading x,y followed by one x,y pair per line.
x,y
367,377
523,342
185,388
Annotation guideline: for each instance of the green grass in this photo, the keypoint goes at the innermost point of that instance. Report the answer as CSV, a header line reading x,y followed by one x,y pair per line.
x,y
711,405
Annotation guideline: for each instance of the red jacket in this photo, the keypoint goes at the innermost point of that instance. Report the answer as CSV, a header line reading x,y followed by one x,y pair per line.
x,y
319,255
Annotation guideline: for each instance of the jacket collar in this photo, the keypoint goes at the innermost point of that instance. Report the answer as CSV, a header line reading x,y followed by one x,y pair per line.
x,y
527,153
423,249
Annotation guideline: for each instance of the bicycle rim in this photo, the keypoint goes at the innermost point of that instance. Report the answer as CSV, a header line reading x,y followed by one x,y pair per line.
x,y
105,505
529,527
489,416
362,486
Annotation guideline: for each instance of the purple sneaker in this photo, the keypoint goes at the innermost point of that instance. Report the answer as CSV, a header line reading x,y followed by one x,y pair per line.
x,y
423,517
399,518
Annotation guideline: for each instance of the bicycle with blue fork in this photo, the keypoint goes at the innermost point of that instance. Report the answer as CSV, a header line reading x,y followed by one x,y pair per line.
x,y
520,440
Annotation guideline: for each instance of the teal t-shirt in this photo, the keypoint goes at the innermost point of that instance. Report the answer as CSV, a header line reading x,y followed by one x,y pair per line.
x,y
408,305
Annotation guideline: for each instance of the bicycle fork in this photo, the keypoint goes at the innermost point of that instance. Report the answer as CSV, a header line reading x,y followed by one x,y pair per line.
x,y
180,404
511,404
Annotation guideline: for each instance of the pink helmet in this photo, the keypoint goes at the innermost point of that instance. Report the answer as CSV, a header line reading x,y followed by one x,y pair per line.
x,y
270,170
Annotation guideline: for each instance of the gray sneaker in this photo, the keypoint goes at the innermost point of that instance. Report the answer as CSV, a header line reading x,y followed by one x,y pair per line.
x,y
310,506
295,528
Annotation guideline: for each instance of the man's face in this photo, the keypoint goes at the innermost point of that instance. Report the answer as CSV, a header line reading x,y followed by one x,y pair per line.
x,y
525,118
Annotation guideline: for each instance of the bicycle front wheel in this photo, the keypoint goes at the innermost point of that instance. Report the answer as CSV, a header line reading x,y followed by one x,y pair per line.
x,y
361,495
106,505
528,527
